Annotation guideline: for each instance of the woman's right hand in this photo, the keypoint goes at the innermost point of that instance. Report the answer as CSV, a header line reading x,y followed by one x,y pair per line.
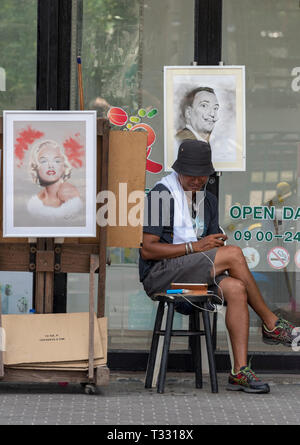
x,y
209,242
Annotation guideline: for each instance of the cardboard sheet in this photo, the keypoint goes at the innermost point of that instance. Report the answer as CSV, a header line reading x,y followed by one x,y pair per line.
x,y
127,165
41,338
80,365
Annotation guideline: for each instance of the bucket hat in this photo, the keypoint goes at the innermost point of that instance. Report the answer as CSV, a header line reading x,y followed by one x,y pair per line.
x,y
194,159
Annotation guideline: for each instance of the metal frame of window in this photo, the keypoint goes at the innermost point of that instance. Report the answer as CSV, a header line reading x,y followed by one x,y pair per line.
x,y
208,47
181,361
208,32
53,54
53,84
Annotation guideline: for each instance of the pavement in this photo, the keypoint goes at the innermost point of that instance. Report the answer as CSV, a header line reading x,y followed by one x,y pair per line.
x,y
125,401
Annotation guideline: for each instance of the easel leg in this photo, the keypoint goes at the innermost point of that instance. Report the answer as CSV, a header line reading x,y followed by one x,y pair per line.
x,y
94,264
39,283
2,342
44,281
104,153
49,283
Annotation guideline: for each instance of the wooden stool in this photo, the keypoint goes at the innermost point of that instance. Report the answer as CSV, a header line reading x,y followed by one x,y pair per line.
x,y
194,334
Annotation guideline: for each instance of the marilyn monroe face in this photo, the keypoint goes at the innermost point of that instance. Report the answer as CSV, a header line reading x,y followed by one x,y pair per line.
x,y
51,166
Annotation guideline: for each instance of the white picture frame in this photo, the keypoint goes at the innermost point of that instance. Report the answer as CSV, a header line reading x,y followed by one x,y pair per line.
x,y
49,173
226,129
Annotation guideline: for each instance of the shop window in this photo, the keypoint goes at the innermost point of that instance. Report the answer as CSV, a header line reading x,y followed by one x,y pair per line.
x,y
16,290
257,176
18,49
271,176
263,36
124,46
286,175
255,198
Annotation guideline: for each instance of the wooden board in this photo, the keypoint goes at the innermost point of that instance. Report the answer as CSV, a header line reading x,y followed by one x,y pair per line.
x,y
23,375
127,165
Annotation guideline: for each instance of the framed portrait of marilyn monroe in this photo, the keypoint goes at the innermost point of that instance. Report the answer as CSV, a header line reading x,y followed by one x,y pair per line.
x,y
49,173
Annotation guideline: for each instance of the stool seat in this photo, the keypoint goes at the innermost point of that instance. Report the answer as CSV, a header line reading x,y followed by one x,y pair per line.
x,y
181,297
204,301
193,298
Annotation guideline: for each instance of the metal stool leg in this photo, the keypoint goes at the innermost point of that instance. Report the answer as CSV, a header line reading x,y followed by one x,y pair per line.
x,y
167,341
190,339
210,351
214,330
154,345
196,349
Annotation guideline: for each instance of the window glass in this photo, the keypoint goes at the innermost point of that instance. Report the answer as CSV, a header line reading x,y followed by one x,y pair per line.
x,y
124,46
18,52
264,37
16,290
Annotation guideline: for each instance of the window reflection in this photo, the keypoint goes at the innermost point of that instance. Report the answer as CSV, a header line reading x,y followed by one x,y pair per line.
x,y
18,34
263,36
124,46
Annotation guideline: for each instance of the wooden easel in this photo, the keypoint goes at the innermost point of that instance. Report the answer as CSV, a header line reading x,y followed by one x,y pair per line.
x,y
49,256
45,257
1,342
73,255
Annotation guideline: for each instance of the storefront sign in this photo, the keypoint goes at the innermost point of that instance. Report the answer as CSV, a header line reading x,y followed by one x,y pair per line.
x,y
266,236
264,212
